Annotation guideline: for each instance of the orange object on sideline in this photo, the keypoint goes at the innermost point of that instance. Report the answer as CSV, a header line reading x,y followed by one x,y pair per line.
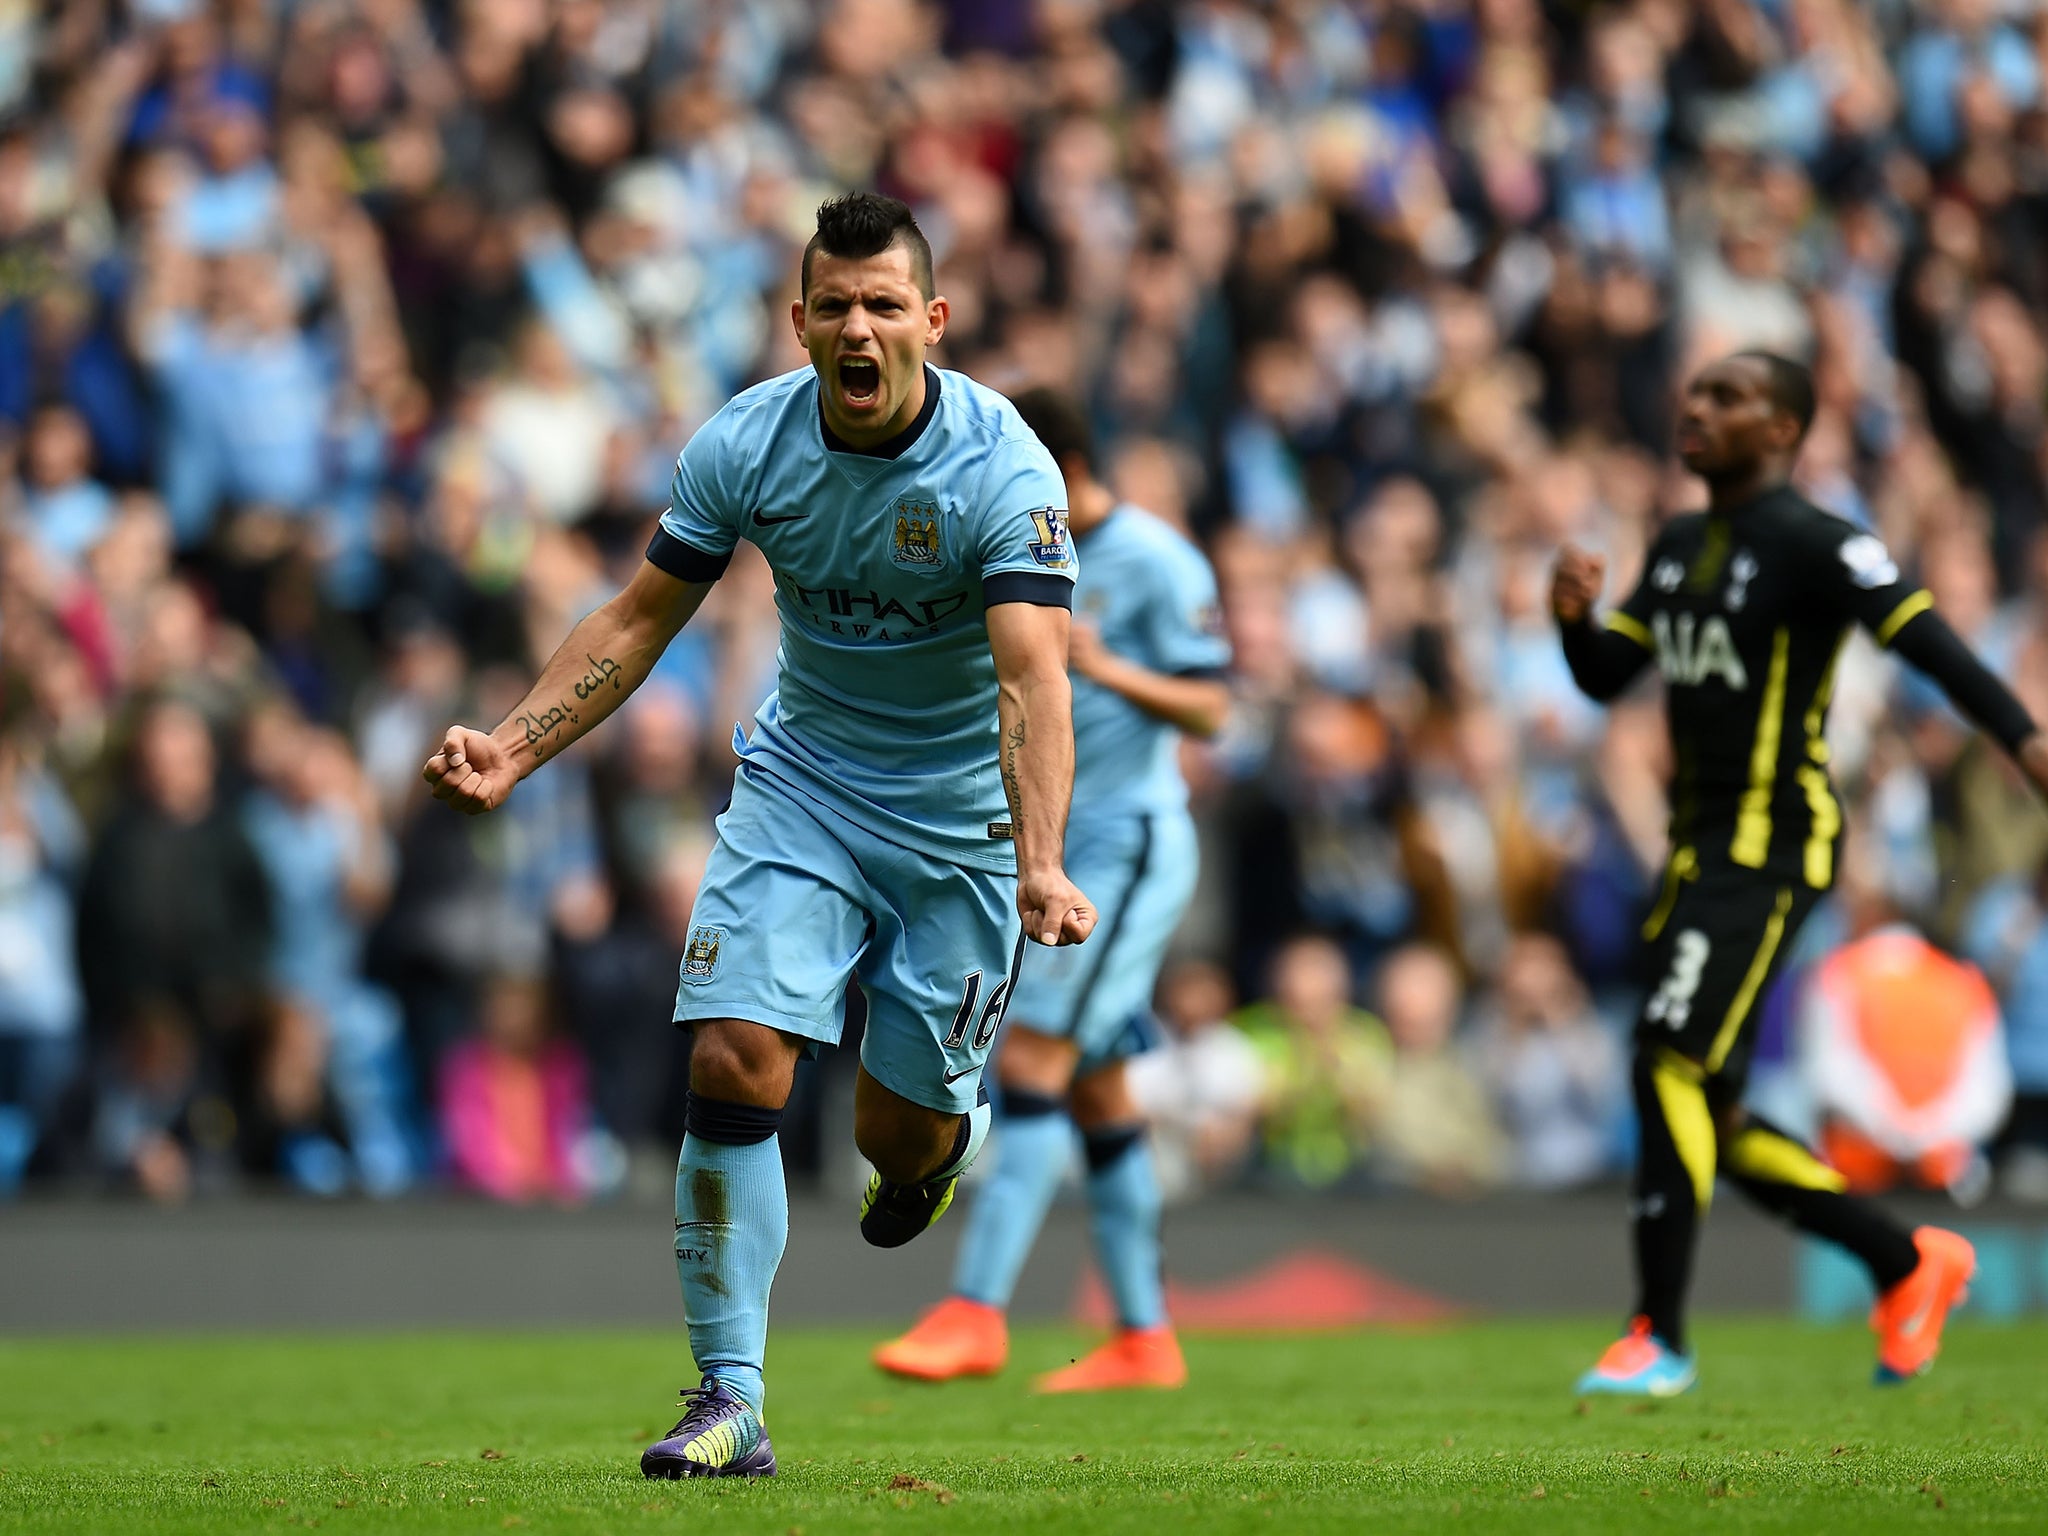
x,y
1870,1169
1301,1291
1904,1053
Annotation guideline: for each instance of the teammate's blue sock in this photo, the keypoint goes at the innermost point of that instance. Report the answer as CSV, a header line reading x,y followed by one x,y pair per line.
x,y
1123,1205
732,1219
1010,1205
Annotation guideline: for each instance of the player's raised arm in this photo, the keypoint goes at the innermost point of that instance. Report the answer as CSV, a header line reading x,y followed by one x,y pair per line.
x,y
605,658
1034,705
1604,657
1856,571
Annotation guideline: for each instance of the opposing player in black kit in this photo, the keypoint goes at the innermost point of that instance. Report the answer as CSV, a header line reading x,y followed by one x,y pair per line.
x,y
1744,609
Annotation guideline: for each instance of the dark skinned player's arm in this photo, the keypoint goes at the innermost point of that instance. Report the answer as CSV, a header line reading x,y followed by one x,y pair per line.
x,y
1927,641
1608,652
1605,657
1868,588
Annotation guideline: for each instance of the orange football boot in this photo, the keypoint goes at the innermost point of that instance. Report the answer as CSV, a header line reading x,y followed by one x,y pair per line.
x,y
1907,1318
958,1337
1135,1357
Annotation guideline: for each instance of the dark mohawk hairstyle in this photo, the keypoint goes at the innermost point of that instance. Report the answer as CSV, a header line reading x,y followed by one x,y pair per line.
x,y
866,224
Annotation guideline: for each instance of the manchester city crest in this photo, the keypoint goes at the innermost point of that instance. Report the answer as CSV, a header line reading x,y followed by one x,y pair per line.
x,y
700,955
916,546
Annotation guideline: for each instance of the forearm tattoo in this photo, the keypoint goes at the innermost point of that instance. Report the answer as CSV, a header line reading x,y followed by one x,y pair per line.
x,y
1013,744
600,673
543,726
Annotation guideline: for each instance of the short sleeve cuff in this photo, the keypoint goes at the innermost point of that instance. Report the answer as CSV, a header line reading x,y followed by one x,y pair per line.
x,y
683,561
1027,587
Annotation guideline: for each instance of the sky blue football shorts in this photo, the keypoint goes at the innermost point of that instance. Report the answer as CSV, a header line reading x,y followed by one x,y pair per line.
x,y
797,899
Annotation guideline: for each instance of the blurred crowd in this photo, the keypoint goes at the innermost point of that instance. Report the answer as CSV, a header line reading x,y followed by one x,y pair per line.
x,y
346,347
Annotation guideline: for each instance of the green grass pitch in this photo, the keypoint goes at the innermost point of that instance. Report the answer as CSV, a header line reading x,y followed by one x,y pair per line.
x,y
1471,1428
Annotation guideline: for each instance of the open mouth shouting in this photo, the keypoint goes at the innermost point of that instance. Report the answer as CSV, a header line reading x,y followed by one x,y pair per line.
x,y
860,382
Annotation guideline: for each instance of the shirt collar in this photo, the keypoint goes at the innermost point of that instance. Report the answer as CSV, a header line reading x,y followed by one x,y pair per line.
x,y
901,443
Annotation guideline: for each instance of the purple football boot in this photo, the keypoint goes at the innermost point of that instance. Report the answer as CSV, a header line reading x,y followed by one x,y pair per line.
x,y
717,1436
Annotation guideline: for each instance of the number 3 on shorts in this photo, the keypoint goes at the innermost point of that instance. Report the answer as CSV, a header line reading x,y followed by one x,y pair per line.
x,y
1671,1004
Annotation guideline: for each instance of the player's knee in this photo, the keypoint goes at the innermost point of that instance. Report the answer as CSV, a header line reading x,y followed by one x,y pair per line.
x,y
741,1063
1034,1062
1103,1098
1730,1120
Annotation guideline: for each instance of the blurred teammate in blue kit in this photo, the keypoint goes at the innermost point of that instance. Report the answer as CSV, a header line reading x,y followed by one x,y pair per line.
x,y
1148,658
905,784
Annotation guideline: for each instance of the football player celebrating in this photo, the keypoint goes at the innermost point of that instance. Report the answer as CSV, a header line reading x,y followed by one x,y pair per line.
x,y
1744,609
900,803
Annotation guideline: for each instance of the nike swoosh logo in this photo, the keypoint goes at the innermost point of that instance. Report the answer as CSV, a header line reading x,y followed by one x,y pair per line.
x,y
954,1077
770,522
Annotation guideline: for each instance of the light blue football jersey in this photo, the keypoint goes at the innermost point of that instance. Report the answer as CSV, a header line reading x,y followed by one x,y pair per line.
x,y
1153,596
886,562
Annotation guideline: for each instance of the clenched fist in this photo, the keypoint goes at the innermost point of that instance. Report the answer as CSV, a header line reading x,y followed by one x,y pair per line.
x,y
1575,583
1053,908
471,771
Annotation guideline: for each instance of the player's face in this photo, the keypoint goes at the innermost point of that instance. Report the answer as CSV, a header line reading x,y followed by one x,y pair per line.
x,y
866,325
1728,420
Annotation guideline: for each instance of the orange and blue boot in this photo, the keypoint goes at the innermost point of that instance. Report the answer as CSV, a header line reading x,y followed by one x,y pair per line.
x,y
1908,1318
1639,1364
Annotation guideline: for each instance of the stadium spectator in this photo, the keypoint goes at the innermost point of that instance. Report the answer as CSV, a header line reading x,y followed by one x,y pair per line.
x,y
515,1112
1553,1071
42,1008
1200,1087
288,1127
66,510
1435,1129
154,1116
2007,937
314,825
175,912
1327,1067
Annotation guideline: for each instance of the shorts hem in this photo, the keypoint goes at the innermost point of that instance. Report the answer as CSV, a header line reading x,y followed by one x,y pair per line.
x,y
959,1095
748,1013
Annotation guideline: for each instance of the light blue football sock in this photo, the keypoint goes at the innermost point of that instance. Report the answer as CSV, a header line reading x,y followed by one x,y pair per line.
x,y
1123,1210
1009,1207
732,1220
